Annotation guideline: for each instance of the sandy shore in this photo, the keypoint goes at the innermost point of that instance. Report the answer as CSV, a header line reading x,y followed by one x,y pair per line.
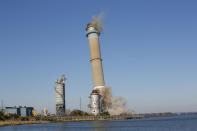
x,y
11,123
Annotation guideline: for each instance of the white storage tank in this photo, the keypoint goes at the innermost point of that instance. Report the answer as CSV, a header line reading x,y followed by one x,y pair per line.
x,y
95,102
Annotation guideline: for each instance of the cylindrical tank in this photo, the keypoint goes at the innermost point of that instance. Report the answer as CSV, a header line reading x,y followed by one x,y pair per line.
x,y
45,112
95,102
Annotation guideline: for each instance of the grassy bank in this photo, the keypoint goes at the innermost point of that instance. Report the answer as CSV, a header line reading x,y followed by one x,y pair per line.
x,y
14,122
13,119
40,120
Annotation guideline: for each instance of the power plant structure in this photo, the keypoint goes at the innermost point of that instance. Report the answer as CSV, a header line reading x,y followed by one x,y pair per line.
x,y
60,96
96,104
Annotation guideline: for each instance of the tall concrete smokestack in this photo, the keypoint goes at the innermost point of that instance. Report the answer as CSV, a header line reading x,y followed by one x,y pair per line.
x,y
96,62
95,55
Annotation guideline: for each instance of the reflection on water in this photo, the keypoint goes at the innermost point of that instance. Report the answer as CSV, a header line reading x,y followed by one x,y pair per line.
x,y
175,123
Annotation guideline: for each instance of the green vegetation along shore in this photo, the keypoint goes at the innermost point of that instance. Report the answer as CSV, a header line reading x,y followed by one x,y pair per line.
x,y
18,122
13,119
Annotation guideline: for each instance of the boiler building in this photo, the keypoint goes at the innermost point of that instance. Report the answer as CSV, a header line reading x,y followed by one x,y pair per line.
x,y
60,96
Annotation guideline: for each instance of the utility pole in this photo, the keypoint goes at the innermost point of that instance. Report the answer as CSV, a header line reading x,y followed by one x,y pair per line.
x,y
80,103
2,105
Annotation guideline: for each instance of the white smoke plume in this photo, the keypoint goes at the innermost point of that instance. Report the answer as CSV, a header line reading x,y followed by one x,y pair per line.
x,y
97,21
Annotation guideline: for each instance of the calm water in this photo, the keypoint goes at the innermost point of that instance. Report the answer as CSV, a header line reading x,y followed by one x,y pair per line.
x,y
175,123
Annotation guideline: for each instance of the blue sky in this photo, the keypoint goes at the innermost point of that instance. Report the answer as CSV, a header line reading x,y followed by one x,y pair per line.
x,y
149,51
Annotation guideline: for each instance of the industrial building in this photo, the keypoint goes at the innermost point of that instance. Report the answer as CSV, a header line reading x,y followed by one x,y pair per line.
x,y
21,111
60,96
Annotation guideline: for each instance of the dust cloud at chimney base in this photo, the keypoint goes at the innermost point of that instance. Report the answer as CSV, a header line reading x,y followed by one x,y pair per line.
x,y
113,105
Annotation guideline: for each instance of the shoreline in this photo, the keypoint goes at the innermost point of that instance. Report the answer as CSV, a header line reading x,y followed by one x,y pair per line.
x,y
13,123
45,120
19,122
